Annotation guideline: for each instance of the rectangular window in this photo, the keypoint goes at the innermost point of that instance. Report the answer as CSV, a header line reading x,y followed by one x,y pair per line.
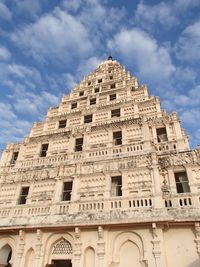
x,y
96,90
23,195
87,118
117,138
115,113
112,86
161,134
14,157
74,105
79,144
99,80
182,185
67,191
62,123
113,97
116,186
93,101
44,150
81,93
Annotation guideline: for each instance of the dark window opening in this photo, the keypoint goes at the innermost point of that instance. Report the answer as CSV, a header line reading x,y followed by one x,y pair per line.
x,y
81,93
74,105
113,97
23,195
117,138
161,135
112,86
115,113
96,90
93,101
89,83
111,77
99,80
87,118
44,150
60,263
116,186
62,123
182,185
67,190
14,157
79,144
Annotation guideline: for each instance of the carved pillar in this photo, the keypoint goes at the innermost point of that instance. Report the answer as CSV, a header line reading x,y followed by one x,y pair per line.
x,y
20,248
38,245
197,237
156,246
107,188
146,135
100,247
156,181
74,195
77,248
58,189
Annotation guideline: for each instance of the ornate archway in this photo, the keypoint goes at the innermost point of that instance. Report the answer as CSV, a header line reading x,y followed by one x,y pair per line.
x,y
5,256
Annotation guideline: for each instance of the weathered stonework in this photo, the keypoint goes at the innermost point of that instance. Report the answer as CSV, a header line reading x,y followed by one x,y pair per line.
x,y
107,179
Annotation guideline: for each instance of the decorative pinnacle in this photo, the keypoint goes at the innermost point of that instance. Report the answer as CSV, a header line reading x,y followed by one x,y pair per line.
x,y
110,58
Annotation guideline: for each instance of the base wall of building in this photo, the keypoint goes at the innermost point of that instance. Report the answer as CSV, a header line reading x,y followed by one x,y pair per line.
x,y
113,246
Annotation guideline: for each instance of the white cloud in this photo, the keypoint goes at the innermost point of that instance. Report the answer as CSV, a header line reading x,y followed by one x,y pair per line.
x,y
88,65
5,13
161,13
4,53
188,45
191,116
142,52
166,13
72,5
27,7
56,36
12,129
29,103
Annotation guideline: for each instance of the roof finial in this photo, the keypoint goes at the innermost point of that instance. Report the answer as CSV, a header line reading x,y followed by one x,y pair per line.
x,y
110,58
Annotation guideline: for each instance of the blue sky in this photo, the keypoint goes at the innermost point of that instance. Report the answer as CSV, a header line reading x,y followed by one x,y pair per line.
x,y
48,46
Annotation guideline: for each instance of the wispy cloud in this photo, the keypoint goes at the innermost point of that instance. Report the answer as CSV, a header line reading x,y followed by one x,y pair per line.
x,y
4,54
56,36
150,58
5,13
188,45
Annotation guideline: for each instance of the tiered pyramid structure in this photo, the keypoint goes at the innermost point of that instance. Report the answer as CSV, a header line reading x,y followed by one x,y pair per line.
x,y
107,180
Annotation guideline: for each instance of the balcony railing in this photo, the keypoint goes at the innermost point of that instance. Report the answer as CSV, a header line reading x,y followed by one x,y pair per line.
x,y
143,208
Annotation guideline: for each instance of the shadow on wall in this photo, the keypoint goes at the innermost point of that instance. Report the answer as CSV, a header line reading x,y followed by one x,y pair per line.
x,y
195,264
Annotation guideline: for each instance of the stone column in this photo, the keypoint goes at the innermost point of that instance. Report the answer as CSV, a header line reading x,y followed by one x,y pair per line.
x,y
156,246
108,185
156,182
58,189
197,237
38,245
136,110
100,247
77,248
146,136
20,249
74,195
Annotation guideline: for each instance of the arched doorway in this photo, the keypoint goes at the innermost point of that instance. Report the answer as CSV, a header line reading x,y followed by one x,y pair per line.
x,y
129,255
61,254
5,256
89,257
30,258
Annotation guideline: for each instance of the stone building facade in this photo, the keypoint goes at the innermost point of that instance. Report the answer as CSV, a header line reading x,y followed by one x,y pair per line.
x,y
107,180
